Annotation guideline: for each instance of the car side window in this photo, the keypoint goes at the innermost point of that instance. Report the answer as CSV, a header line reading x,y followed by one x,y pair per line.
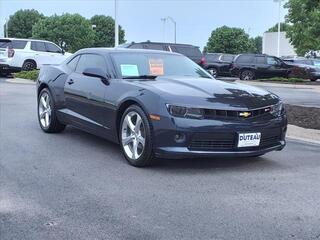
x,y
272,61
245,59
38,46
53,48
73,63
91,61
260,60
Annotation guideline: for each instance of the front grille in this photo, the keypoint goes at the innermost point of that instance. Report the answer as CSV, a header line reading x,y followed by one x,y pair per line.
x,y
228,141
215,113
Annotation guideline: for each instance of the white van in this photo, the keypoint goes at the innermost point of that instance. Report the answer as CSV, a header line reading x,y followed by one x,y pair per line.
x,y
28,54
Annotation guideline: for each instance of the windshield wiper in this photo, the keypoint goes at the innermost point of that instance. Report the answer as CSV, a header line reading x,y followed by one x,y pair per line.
x,y
141,77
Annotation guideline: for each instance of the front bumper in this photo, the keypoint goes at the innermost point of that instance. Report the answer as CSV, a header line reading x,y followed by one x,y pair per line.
x,y
315,75
211,138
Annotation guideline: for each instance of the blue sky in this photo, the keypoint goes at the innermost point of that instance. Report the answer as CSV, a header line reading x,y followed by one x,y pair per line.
x,y
141,18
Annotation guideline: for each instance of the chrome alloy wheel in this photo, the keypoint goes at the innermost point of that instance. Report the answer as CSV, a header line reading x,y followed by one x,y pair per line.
x,y
44,110
133,135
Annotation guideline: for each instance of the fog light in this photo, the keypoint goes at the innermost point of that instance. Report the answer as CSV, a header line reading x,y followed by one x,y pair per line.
x,y
179,137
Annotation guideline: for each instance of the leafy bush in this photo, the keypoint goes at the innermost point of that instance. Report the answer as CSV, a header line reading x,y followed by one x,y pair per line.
x,y
282,79
32,75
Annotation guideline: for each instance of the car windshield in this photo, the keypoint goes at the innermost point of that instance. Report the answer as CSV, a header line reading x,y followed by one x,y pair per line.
x,y
316,63
131,65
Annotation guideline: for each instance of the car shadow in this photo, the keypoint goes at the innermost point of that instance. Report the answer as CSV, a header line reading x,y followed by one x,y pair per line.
x,y
187,164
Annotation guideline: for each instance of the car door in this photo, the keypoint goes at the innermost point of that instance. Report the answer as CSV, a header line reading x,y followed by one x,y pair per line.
x,y
40,54
276,67
262,68
85,96
55,53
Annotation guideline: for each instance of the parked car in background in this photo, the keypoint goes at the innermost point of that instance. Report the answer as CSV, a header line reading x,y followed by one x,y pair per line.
x,y
218,64
304,68
28,54
252,66
190,51
158,104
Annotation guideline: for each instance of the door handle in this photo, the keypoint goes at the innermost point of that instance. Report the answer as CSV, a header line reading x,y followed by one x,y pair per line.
x,y
70,82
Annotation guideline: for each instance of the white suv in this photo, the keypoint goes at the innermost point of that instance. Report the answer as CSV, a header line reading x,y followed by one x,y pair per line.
x,y
28,54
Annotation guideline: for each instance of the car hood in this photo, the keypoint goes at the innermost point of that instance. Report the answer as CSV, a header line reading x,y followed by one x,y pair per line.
x,y
209,93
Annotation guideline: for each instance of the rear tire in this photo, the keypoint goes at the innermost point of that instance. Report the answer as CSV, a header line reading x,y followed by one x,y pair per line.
x,y
29,65
247,75
135,136
47,117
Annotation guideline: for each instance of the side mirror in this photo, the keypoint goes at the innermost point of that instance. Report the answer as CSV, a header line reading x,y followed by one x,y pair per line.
x,y
97,73
63,51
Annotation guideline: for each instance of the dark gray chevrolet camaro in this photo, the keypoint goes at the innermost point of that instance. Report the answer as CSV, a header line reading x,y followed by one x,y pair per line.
x,y
158,105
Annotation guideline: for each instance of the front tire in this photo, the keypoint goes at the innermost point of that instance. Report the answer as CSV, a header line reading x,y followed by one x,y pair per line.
x,y
247,75
47,117
135,135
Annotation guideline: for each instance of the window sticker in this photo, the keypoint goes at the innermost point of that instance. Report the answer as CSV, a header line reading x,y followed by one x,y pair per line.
x,y
128,70
156,67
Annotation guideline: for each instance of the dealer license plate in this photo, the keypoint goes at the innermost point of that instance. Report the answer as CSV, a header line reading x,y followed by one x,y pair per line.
x,y
249,139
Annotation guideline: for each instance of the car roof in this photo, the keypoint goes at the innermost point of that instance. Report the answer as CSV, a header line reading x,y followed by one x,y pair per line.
x,y
165,43
24,39
123,50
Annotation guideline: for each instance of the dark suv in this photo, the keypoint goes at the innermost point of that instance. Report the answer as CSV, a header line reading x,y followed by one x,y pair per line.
x,y
218,64
252,66
304,68
187,50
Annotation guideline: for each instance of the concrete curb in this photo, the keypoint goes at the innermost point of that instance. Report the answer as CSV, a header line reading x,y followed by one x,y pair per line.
x,y
20,81
303,134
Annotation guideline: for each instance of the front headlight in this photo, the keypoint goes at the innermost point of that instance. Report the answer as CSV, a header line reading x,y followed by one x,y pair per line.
x,y
277,109
185,112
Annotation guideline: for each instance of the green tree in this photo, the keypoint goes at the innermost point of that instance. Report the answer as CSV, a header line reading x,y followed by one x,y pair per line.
x,y
284,27
256,45
20,24
229,40
72,29
304,17
104,31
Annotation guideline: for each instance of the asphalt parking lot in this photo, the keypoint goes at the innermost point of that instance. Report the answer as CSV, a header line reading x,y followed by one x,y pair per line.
x,y
77,186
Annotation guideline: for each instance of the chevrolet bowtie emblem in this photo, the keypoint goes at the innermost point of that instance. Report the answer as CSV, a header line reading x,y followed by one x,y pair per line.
x,y
245,114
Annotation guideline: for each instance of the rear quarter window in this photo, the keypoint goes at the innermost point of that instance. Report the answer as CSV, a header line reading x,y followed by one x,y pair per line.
x,y
155,47
5,43
227,58
19,44
213,57
186,50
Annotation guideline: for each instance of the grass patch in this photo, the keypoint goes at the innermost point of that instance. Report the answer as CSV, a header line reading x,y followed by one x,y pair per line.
x,y
282,80
31,75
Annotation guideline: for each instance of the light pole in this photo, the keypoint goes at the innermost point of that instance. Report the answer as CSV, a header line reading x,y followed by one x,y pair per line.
x,y
175,28
164,29
116,25
279,25
7,35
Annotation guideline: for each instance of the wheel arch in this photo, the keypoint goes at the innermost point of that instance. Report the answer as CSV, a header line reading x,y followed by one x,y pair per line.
x,y
121,109
41,87
30,60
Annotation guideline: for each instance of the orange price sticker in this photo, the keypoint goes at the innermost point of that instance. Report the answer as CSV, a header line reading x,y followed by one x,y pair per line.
x,y
156,67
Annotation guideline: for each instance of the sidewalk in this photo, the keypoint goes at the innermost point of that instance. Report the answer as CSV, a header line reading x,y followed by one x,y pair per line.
x,y
20,81
303,134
